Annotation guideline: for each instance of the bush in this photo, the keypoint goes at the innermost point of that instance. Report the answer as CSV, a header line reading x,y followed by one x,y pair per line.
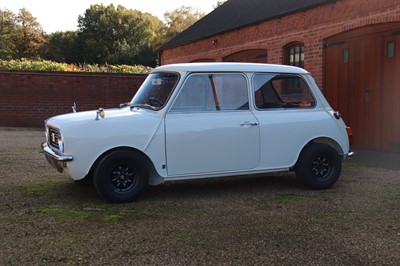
x,y
136,69
44,65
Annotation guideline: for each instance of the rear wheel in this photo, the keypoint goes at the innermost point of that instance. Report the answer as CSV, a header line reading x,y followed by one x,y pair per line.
x,y
319,166
120,176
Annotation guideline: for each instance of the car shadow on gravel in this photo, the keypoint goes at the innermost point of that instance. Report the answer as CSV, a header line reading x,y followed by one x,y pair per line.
x,y
62,191
223,187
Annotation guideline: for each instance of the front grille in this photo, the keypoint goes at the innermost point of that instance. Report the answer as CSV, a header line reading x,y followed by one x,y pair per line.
x,y
54,137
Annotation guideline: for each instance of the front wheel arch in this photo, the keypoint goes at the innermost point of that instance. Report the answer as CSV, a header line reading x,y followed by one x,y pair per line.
x,y
123,162
144,157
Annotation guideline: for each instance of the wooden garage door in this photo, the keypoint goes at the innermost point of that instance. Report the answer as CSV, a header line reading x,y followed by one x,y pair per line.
x,y
362,75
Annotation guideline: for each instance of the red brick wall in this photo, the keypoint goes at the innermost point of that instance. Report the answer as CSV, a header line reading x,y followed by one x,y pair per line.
x,y
310,28
28,98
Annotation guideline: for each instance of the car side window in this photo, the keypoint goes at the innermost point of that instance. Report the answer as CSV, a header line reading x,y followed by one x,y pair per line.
x,y
281,91
212,92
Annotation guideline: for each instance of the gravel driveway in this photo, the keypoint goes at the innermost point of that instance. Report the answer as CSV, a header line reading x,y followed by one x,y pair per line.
x,y
45,218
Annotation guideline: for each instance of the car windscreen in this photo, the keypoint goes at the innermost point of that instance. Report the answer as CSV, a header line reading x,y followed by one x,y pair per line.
x,y
155,90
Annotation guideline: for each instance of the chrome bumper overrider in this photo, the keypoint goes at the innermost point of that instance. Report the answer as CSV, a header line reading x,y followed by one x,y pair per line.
x,y
58,161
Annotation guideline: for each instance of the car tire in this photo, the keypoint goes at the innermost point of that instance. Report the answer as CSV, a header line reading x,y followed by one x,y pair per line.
x,y
319,166
121,176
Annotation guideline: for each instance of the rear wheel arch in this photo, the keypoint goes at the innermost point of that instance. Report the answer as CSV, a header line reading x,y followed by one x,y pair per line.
x,y
319,164
324,140
330,142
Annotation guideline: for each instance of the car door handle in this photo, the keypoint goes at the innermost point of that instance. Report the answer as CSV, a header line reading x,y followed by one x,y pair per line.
x,y
247,123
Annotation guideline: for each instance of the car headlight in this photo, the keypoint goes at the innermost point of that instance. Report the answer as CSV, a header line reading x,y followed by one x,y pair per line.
x,y
55,139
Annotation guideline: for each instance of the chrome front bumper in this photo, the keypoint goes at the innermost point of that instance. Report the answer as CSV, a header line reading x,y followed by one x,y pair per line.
x,y
56,160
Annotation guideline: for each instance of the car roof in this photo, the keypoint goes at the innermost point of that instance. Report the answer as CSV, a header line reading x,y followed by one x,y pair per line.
x,y
230,67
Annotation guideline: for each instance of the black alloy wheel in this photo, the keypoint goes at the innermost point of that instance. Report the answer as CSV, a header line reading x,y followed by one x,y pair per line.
x,y
319,166
121,176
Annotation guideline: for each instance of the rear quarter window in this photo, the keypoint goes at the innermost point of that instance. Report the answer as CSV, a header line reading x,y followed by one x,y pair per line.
x,y
272,91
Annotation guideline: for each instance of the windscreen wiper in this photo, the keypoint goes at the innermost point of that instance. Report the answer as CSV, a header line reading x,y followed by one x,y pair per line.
x,y
144,105
123,105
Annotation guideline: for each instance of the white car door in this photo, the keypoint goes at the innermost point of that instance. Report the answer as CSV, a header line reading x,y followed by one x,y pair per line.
x,y
289,119
210,129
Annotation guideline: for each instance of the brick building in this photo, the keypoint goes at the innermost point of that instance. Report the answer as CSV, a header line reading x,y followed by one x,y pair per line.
x,y
352,48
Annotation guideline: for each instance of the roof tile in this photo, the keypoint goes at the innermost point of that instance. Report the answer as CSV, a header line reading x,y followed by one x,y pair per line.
x,y
235,14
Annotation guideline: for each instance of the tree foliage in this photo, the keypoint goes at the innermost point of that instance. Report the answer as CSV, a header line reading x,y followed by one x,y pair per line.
x,y
7,28
29,36
21,36
115,35
61,47
180,19
219,3
106,35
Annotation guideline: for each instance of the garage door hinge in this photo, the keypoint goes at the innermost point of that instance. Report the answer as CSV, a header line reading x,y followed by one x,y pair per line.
x,y
330,44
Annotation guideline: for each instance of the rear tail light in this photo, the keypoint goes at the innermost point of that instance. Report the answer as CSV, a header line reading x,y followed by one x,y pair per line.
x,y
350,134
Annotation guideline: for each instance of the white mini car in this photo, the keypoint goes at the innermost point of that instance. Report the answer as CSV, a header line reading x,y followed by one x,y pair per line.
x,y
203,120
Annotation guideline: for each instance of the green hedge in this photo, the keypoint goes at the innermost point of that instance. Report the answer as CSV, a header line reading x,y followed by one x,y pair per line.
x,y
43,65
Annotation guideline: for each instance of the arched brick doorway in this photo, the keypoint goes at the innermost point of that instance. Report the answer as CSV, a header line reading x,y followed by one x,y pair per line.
x,y
203,60
362,81
253,56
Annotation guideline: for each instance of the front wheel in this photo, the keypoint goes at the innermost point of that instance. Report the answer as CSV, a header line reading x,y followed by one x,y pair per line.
x,y
319,166
120,176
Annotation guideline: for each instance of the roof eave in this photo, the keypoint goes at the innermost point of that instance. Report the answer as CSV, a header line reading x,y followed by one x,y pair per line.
x,y
279,16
